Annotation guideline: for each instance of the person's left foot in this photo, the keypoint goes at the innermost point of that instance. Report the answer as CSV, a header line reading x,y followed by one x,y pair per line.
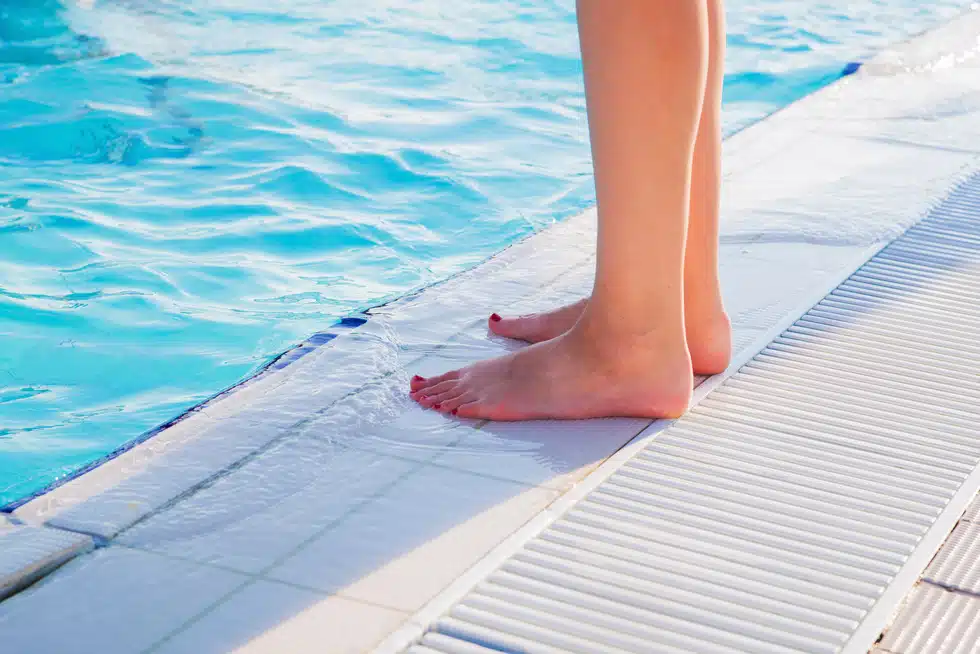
x,y
571,376
709,331
541,326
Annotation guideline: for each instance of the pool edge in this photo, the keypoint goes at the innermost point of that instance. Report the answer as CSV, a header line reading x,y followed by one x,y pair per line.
x,y
753,127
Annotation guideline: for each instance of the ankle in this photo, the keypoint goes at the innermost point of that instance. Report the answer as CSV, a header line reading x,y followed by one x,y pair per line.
x,y
704,304
645,325
620,348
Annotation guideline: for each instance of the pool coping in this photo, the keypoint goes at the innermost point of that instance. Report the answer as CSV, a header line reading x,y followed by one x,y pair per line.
x,y
34,514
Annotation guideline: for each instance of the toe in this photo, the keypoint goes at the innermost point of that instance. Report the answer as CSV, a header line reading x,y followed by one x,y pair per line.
x,y
509,327
431,396
450,404
422,383
445,397
471,409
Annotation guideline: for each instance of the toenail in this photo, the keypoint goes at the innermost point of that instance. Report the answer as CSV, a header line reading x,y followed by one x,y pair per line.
x,y
494,317
418,378
455,411
437,406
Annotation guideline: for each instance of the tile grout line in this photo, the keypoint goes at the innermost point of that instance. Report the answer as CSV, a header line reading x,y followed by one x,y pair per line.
x,y
253,577
252,581
197,617
261,574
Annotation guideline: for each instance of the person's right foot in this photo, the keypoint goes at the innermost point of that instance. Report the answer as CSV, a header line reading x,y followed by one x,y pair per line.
x,y
580,374
709,337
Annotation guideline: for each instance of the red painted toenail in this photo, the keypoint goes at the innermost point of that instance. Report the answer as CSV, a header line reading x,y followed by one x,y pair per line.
x,y
418,378
494,317
436,406
455,411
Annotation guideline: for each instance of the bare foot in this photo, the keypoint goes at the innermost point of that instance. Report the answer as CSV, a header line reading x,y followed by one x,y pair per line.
x,y
709,337
574,375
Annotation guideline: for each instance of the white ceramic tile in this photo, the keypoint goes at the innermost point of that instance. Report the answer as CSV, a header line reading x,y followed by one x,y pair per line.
x,y
430,354
517,276
176,469
416,433
404,547
260,512
28,553
791,273
453,356
411,580
550,453
271,618
111,474
330,373
113,601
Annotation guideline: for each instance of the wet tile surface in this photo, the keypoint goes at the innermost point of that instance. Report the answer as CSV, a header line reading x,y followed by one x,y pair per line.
x,y
178,468
27,553
269,507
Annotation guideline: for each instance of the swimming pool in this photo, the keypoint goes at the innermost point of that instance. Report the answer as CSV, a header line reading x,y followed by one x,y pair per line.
x,y
189,186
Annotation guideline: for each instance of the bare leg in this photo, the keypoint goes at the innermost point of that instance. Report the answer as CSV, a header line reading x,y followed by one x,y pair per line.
x,y
645,77
708,328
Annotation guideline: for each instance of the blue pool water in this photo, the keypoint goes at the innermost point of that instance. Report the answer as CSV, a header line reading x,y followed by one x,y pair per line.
x,y
187,187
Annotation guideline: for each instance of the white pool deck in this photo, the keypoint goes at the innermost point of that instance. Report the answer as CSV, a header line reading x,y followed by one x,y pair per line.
x,y
316,509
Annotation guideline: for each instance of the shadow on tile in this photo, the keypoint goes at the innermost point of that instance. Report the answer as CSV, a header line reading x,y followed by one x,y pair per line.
x,y
270,618
113,601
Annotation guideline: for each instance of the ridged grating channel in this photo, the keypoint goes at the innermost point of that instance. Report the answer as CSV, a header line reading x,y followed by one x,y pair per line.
x,y
776,513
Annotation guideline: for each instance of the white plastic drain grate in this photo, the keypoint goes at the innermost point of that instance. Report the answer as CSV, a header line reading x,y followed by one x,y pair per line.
x,y
774,515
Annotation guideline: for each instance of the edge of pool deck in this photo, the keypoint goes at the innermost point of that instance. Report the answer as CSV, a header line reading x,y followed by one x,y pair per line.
x,y
193,552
